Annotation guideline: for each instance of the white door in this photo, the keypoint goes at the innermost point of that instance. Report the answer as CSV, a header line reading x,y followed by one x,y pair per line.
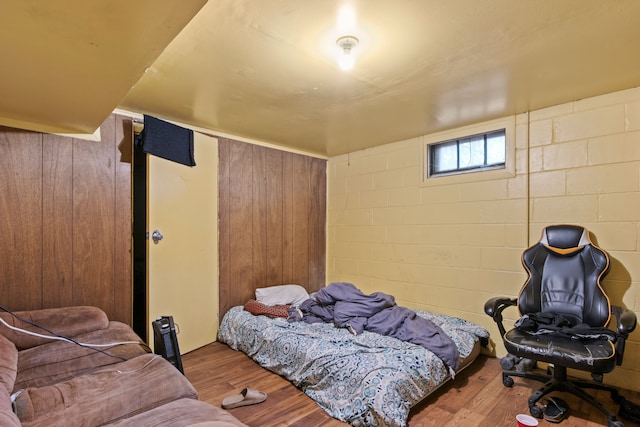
x,y
182,277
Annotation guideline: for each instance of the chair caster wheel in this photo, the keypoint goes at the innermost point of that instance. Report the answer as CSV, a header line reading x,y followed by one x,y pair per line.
x,y
507,381
536,411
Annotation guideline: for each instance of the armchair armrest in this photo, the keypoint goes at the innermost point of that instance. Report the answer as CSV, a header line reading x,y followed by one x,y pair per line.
x,y
494,308
65,321
625,324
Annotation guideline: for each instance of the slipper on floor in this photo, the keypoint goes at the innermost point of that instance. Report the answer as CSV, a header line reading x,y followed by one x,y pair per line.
x,y
244,398
556,410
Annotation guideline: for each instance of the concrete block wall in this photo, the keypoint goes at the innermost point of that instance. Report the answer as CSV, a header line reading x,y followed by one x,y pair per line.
x,y
450,245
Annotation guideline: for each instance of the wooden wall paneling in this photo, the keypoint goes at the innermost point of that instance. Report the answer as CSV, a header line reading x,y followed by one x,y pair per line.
x,y
123,221
93,213
272,220
317,220
288,203
301,214
274,208
20,219
66,220
241,222
57,235
259,205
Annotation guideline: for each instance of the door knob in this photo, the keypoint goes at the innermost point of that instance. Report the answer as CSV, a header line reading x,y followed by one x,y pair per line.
x,y
156,236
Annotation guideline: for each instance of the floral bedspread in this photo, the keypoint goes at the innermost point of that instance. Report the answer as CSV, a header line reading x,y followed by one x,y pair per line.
x,y
364,380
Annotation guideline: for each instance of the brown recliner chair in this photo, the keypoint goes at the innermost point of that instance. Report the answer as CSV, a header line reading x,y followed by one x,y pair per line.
x,y
565,314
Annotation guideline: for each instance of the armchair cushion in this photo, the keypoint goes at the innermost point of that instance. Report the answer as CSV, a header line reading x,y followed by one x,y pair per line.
x,y
7,417
105,395
181,413
67,321
57,361
8,365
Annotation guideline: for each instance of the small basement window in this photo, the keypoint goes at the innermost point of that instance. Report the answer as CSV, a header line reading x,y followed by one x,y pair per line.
x,y
485,151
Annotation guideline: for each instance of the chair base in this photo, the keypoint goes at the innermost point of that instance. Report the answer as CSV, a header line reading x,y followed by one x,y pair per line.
x,y
560,382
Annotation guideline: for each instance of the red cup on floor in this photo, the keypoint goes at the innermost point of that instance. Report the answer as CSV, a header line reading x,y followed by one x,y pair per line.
x,y
525,420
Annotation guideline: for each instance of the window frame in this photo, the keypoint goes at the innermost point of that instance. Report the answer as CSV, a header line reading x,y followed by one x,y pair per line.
x,y
433,147
474,174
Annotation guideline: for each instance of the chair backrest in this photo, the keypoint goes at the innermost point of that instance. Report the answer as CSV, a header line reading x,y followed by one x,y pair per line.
x,y
565,269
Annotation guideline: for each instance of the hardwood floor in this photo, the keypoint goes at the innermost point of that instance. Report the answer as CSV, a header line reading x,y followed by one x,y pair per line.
x,y
475,398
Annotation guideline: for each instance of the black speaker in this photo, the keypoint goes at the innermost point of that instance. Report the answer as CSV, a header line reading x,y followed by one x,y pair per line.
x,y
165,341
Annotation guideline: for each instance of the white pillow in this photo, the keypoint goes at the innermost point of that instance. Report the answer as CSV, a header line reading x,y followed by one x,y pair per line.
x,y
282,295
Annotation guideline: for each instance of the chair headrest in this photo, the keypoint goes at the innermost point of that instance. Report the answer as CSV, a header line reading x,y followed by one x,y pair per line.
x,y
565,239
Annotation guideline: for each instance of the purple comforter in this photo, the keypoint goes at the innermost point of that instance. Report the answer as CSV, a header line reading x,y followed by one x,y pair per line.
x,y
347,307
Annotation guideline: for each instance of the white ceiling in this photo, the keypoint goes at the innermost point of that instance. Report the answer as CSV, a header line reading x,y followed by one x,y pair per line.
x,y
265,70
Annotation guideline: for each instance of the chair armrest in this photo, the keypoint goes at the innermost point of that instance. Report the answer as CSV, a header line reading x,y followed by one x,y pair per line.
x,y
65,321
625,324
494,308
496,305
626,319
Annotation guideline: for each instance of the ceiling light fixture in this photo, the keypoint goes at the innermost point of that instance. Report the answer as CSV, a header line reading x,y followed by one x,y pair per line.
x,y
345,56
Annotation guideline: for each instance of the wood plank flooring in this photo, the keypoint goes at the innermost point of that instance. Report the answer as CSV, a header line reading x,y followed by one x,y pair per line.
x,y
475,398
